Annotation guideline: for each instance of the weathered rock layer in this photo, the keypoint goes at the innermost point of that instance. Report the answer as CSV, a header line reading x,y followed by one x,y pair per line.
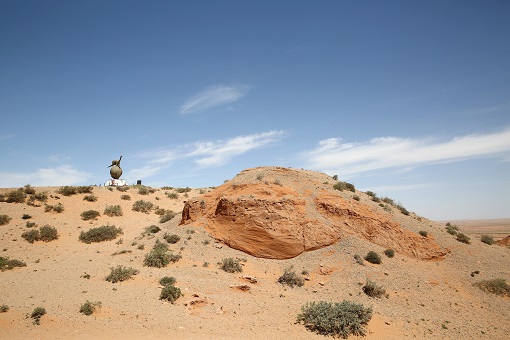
x,y
279,213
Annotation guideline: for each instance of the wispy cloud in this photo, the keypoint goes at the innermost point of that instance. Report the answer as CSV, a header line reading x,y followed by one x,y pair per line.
x,y
333,156
62,175
213,96
206,154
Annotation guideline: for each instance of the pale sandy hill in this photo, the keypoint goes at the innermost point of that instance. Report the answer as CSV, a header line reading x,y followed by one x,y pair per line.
x,y
426,299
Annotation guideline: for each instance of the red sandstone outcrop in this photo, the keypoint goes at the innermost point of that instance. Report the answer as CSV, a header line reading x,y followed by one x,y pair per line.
x,y
279,213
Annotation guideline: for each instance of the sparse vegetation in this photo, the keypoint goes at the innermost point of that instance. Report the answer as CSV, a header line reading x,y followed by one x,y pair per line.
x,y
16,196
113,210
359,259
153,229
67,190
170,293
100,234
125,197
231,265
167,216
29,190
376,199
143,206
463,238
89,215
4,219
290,278
88,308
389,252
172,195
451,229
172,238
159,256
497,286
336,319
26,217
90,198
344,186
6,264
48,233
167,280
31,236
37,314
355,197
121,273
373,290
373,257
4,309
423,233
183,190
370,193
402,209
487,239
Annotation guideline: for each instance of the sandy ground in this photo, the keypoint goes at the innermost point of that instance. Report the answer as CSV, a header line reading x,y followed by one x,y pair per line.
x,y
426,300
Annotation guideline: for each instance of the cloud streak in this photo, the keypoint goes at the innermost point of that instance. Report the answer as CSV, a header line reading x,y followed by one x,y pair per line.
x,y
62,175
206,154
213,96
333,156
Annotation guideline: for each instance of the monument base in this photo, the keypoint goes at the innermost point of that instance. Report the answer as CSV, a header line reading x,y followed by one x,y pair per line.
x,y
115,183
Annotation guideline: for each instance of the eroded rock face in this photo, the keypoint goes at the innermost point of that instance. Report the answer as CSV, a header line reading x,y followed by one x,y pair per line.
x,y
279,213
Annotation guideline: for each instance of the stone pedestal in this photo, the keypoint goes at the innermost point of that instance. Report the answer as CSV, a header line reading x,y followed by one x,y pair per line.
x,y
115,183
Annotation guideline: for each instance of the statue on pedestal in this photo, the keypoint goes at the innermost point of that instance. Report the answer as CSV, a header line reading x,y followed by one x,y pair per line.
x,y
115,172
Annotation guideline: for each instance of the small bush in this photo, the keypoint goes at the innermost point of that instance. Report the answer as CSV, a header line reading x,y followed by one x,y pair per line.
x,y
125,197
89,215
16,196
143,206
463,238
373,257
402,209
88,308
183,190
153,229
31,236
172,195
100,234
121,273
159,256
376,199
388,200
370,193
423,233
84,189
167,281
344,186
290,278
6,264
67,190
359,259
58,208
170,293
4,309
167,216
389,252
4,219
40,196
356,198
495,286
90,198
373,290
172,238
113,210
37,313
143,190
336,319
31,224
487,239
230,265
29,190
451,229
123,189
48,233
26,217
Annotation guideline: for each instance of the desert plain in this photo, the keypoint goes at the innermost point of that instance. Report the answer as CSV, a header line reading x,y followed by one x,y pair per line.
x,y
432,297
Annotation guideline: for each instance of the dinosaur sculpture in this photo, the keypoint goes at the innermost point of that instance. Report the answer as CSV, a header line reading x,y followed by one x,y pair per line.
x,y
116,162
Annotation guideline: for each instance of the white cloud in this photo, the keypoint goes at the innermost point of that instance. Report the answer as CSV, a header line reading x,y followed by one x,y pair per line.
x,y
333,156
62,175
213,96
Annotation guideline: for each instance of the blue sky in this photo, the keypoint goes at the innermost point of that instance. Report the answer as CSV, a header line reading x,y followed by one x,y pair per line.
x,y
409,99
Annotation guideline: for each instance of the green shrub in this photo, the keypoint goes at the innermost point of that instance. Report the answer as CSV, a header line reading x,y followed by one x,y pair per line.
x,y
88,308
159,256
29,190
67,190
487,239
58,208
388,200
100,234
4,309
451,229
87,189
4,219
153,229
370,193
167,216
376,199
402,209
123,189
373,290
31,236
113,210
6,264
172,195
463,238
389,252
89,215
37,313
121,273
167,281
143,206
125,197
231,265
170,293
90,198
31,224
26,217
16,196
373,257
183,190
40,196
495,286
423,233
336,319
290,278
344,186
359,259
356,198
48,233
172,238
